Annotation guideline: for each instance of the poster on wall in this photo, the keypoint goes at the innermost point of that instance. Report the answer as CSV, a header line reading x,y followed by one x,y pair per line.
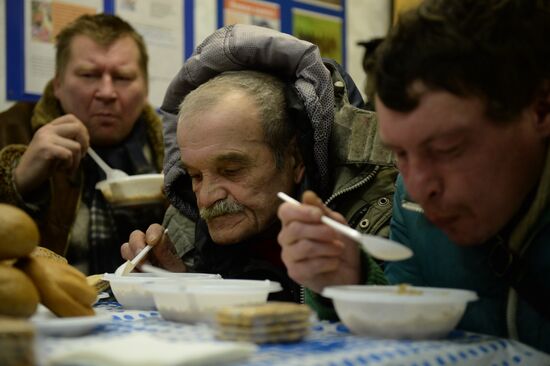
x,y
332,4
43,20
160,23
261,13
321,29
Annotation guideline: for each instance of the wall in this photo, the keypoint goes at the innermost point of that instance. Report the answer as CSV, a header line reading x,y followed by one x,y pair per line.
x,y
366,19
3,102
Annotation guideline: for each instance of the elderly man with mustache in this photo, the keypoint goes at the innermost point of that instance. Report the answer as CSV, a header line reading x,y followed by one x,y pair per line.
x,y
241,135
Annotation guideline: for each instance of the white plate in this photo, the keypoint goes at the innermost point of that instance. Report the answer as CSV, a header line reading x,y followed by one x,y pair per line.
x,y
48,323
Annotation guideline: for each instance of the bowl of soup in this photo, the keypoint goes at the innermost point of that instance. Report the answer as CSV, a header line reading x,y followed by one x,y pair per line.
x,y
133,190
399,312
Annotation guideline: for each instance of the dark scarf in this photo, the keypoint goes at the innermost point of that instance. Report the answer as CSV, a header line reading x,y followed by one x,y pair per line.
x,y
257,258
110,227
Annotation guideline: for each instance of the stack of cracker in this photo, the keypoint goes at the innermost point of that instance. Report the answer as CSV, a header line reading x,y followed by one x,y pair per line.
x,y
97,282
265,323
16,342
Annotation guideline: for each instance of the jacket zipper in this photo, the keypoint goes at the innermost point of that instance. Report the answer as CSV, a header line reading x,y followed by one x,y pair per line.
x,y
359,184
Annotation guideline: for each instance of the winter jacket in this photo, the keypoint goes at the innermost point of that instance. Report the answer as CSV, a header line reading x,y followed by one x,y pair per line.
x,y
501,310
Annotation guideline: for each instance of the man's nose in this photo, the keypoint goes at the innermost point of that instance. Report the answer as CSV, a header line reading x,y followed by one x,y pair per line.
x,y
422,182
106,88
209,192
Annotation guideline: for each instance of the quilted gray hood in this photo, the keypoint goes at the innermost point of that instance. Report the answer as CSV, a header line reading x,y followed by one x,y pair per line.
x,y
243,47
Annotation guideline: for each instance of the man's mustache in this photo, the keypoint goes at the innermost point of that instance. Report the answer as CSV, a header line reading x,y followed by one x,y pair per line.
x,y
220,208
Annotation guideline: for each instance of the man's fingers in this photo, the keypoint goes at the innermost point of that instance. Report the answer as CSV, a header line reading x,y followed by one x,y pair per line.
x,y
289,212
305,249
165,255
310,198
313,268
154,234
125,251
136,243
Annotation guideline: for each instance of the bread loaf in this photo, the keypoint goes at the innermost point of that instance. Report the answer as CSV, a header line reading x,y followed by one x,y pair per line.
x,y
62,288
18,233
18,296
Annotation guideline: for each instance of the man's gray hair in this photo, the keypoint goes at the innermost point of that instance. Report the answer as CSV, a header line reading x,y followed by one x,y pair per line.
x,y
266,91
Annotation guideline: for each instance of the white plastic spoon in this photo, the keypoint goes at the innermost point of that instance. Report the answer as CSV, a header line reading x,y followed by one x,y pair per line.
x,y
109,172
129,266
378,247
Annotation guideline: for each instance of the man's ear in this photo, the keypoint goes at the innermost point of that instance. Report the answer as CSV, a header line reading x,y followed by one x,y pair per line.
x,y
542,111
297,162
56,83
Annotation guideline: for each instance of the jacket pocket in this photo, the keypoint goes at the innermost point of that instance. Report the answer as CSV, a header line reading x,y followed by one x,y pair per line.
x,y
374,217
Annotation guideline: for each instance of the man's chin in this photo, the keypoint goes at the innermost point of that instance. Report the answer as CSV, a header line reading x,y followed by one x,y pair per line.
x,y
105,140
226,238
465,239
225,230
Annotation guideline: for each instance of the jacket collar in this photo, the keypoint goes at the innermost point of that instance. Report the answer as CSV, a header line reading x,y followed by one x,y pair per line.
x,y
527,226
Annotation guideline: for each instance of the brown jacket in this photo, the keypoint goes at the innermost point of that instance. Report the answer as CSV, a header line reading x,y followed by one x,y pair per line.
x,y
17,126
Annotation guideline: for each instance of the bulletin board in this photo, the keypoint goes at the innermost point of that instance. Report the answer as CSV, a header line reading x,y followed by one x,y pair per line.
x,y
321,22
168,27
31,26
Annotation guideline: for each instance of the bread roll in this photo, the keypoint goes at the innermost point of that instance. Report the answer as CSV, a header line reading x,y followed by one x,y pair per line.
x,y
18,233
46,253
63,289
18,295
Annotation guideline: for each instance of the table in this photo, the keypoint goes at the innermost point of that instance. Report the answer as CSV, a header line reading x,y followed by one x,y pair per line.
x,y
328,344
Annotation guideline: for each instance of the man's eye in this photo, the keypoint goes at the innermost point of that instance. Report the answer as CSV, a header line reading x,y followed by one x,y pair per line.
x,y
88,75
448,152
231,172
400,155
123,78
195,177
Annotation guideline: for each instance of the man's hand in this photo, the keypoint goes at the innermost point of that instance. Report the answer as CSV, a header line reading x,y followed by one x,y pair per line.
x,y
315,255
163,253
58,145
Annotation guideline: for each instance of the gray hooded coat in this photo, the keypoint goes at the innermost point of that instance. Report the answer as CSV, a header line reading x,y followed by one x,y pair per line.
x,y
345,163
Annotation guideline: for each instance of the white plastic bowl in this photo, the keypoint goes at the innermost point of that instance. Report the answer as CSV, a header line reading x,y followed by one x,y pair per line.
x,y
132,293
399,311
198,301
133,190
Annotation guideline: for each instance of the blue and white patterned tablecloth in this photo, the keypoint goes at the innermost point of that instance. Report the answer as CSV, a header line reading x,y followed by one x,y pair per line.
x,y
327,344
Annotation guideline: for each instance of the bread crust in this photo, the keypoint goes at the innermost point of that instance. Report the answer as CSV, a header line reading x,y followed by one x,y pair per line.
x,y
18,231
63,289
18,295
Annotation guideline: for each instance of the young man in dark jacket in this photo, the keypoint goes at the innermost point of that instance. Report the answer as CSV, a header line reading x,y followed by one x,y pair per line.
x,y
463,99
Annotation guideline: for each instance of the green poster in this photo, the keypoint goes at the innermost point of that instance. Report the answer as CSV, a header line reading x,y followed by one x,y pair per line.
x,y
323,30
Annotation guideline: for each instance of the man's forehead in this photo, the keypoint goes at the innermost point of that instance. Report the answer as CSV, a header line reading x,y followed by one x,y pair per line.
x,y
124,45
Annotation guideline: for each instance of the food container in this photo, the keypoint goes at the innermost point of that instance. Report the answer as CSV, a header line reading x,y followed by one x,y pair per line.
x,y
131,291
198,301
399,311
133,190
